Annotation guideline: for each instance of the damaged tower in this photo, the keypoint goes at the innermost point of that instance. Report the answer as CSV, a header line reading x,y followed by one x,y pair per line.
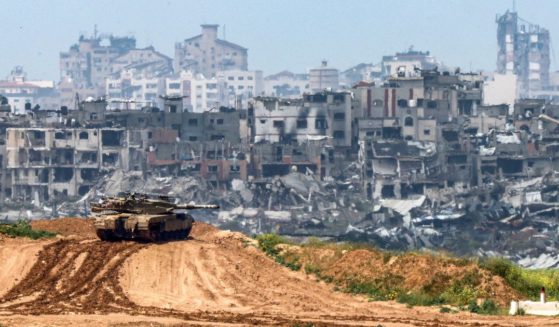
x,y
523,51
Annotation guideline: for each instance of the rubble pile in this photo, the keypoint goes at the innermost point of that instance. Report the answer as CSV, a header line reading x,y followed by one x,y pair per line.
x,y
516,220
513,219
296,204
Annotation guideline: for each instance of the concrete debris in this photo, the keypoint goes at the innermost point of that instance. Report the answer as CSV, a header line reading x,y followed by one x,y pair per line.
x,y
507,138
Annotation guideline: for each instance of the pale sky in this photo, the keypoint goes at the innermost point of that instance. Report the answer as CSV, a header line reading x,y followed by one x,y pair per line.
x,y
280,34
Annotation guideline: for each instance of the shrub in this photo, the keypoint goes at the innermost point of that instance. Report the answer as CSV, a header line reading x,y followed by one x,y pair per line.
x,y
459,294
382,289
268,243
368,288
473,307
445,310
312,269
488,307
418,298
23,229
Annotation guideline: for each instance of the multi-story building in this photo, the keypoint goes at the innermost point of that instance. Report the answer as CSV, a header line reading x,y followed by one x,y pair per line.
x,y
146,61
87,65
325,115
23,94
324,78
406,62
46,164
200,93
524,50
130,89
241,86
207,54
89,62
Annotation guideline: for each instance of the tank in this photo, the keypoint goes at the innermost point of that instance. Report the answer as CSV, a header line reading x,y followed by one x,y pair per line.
x,y
143,217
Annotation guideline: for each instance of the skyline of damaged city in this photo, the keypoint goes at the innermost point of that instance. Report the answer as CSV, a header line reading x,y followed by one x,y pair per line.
x,y
403,153
286,163
385,27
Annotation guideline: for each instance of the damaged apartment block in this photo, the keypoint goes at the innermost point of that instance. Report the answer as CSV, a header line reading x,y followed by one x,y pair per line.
x,y
47,164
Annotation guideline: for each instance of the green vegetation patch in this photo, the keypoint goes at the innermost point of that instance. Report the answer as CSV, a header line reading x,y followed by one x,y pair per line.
x,y
526,281
23,229
463,293
269,242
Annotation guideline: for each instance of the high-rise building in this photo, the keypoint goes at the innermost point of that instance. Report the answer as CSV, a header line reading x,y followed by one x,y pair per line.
x,y
206,54
88,63
324,78
523,50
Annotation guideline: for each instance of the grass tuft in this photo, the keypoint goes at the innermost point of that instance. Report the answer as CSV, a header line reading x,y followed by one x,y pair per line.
x,y
23,229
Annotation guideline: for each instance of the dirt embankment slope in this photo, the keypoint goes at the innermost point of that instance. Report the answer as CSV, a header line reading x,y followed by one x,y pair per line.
x,y
214,278
17,256
410,272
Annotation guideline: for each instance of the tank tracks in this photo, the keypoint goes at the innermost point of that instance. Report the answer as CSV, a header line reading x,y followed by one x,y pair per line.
x,y
152,236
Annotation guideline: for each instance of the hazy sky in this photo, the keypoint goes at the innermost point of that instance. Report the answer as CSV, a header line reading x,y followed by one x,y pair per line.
x,y
280,34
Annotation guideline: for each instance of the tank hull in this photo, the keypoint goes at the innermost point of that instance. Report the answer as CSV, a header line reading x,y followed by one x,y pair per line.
x,y
143,227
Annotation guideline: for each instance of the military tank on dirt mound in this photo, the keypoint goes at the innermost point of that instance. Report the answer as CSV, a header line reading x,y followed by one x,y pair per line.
x,y
143,217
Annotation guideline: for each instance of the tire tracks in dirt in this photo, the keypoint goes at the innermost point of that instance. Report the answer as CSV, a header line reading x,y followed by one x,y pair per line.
x,y
86,277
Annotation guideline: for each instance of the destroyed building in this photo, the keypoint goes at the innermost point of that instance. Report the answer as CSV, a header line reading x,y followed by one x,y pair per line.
x,y
417,161
45,162
523,50
323,115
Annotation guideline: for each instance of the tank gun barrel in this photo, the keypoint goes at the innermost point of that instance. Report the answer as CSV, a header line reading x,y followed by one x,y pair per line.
x,y
197,206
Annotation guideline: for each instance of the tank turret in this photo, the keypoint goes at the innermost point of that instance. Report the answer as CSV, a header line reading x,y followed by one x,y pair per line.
x,y
143,217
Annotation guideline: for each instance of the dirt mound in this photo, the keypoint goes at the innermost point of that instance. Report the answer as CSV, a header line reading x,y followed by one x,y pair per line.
x,y
72,275
80,227
203,230
409,271
216,270
213,278
17,256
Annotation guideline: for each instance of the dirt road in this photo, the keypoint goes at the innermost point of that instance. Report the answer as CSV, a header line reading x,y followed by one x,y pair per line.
x,y
214,278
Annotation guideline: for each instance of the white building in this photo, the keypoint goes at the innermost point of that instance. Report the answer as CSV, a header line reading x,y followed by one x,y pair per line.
x,y
406,62
201,94
501,89
207,54
241,85
129,90
323,78
19,91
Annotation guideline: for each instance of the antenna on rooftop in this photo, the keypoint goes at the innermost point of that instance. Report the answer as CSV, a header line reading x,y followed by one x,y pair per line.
x,y
95,31
513,5
224,30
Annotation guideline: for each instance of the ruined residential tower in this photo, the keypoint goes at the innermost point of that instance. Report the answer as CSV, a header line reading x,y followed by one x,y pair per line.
x,y
523,51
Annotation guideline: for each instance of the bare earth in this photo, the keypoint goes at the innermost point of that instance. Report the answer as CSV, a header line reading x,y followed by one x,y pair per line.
x,y
216,278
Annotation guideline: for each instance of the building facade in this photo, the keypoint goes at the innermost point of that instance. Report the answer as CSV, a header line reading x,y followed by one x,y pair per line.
x,y
22,94
324,78
207,54
523,50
